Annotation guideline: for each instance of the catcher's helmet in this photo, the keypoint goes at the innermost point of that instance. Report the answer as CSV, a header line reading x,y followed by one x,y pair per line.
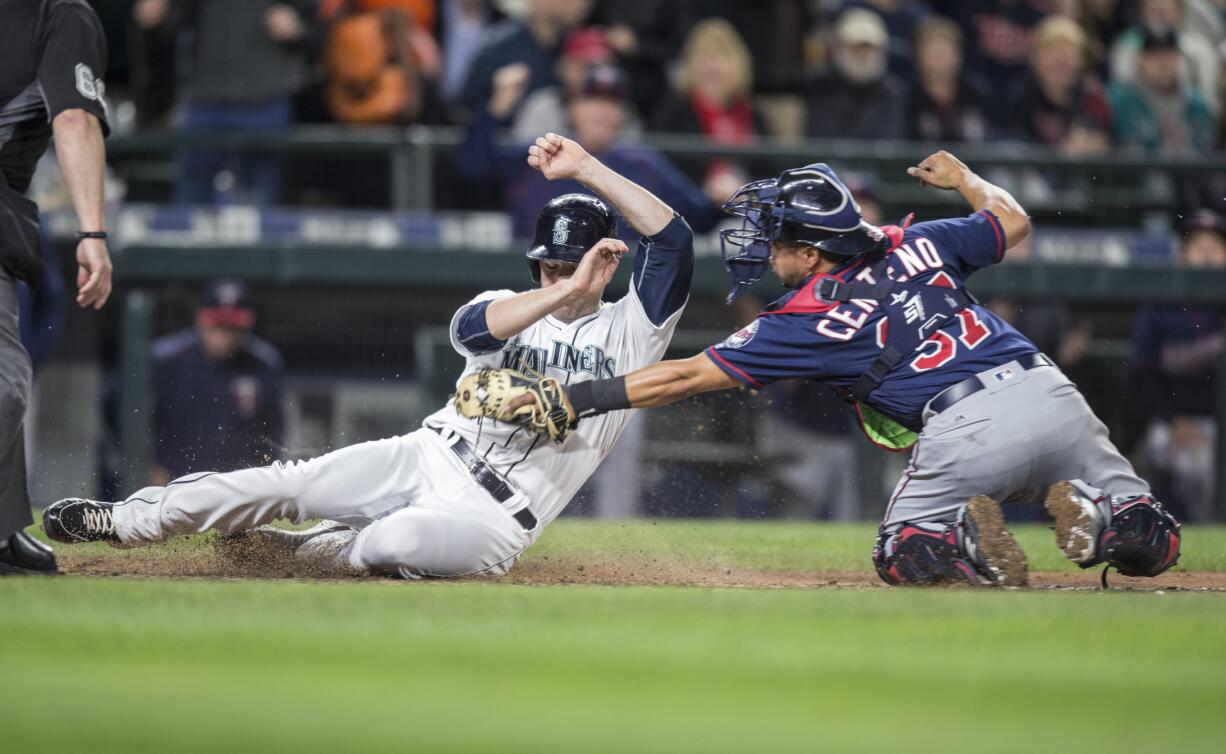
x,y
809,205
567,227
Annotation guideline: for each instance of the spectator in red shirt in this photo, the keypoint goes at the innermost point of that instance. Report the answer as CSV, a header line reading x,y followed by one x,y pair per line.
x,y
716,85
714,100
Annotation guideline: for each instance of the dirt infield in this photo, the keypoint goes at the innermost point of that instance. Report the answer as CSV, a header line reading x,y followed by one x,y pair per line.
x,y
546,571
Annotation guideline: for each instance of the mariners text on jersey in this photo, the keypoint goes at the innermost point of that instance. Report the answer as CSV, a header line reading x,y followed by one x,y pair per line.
x,y
590,359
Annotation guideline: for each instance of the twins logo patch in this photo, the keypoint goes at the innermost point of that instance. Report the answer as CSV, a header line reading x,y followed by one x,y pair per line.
x,y
561,230
741,337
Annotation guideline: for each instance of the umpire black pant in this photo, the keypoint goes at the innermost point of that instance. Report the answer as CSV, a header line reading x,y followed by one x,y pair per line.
x,y
14,395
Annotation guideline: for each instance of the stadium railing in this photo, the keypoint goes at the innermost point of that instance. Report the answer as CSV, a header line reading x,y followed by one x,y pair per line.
x,y
1120,185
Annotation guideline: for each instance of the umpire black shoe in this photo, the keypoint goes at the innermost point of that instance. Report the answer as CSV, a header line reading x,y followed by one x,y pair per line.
x,y
75,520
22,554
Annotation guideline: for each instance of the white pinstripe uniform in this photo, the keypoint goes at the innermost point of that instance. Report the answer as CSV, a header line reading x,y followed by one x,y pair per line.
x,y
418,509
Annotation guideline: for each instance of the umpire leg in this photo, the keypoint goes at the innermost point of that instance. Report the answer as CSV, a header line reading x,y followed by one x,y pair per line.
x,y
14,394
19,553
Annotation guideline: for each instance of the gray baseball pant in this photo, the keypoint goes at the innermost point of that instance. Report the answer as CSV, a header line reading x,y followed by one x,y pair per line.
x,y
14,395
1010,441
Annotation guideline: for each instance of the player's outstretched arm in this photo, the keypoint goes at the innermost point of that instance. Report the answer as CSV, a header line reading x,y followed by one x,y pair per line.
x,y
507,317
550,409
944,171
660,384
560,158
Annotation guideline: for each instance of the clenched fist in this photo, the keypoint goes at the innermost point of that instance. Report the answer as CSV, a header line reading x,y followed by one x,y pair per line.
x,y
559,158
941,170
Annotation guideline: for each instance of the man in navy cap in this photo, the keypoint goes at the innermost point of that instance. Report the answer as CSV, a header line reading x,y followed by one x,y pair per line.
x,y
217,390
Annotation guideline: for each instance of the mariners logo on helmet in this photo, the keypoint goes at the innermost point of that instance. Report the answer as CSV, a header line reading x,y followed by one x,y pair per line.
x,y
567,227
561,230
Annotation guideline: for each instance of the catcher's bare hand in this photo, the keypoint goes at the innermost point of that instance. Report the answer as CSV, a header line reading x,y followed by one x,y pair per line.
x,y
941,170
559,158
93,273
596,268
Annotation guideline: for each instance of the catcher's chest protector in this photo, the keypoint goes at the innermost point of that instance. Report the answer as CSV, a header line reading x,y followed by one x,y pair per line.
x,y
914,311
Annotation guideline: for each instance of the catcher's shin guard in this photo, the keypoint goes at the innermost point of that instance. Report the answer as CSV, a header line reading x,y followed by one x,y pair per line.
x,y
976,549
1135,535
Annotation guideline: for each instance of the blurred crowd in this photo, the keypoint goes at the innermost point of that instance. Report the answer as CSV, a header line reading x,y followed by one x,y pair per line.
x,y
1081,76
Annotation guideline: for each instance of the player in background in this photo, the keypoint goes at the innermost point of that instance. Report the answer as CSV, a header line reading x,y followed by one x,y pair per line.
x,y
457,496
882,314
52,57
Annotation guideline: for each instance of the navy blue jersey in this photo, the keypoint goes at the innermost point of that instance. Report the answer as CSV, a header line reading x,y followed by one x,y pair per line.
x,y
1175,352
802,336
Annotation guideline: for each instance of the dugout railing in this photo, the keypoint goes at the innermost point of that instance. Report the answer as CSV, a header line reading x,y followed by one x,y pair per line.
x,y
1119,188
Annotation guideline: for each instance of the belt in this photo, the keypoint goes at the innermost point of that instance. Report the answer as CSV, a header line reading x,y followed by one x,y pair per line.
x,y
484,475
971,385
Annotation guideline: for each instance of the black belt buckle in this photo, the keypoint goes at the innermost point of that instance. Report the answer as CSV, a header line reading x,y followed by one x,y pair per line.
x,y
483,474
971,385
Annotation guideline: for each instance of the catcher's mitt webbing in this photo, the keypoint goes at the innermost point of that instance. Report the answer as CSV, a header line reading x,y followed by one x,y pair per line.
x,y
539,405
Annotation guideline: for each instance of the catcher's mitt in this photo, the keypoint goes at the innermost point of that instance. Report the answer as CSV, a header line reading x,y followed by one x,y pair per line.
x,y
510,396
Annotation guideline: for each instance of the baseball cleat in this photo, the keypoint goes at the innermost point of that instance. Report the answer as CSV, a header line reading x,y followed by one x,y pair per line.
x,y
321,549
284,541
75,519
1079,523
990,546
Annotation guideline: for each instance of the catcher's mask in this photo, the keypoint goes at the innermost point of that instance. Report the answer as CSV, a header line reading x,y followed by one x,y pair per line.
x,y
808,205
567,227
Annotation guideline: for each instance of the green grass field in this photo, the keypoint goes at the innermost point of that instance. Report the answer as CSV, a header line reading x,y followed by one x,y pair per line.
x,y
128,665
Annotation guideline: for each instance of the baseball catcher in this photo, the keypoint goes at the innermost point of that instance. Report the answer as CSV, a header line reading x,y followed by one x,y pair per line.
x,y
883,315
466,493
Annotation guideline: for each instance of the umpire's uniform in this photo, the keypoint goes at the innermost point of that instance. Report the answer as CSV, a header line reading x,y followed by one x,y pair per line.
x,y
52,55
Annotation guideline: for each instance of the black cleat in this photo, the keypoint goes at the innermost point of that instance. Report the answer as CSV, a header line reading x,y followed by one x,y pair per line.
x,y
22,554
75,519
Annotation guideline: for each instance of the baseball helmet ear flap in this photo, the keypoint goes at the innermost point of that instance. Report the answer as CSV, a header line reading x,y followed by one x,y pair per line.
x,y
567,227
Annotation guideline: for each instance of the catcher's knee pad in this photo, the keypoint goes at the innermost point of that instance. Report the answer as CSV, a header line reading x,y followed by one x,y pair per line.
x,y
924,554
1142,538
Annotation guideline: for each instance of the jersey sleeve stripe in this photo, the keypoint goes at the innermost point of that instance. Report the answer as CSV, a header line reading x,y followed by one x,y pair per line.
x,y
1000,235
731,369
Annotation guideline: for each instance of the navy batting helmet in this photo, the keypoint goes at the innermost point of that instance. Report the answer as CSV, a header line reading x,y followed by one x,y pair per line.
x,y
807,205
567,227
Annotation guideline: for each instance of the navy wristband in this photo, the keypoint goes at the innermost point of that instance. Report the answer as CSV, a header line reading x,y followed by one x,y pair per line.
x,y
599,396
